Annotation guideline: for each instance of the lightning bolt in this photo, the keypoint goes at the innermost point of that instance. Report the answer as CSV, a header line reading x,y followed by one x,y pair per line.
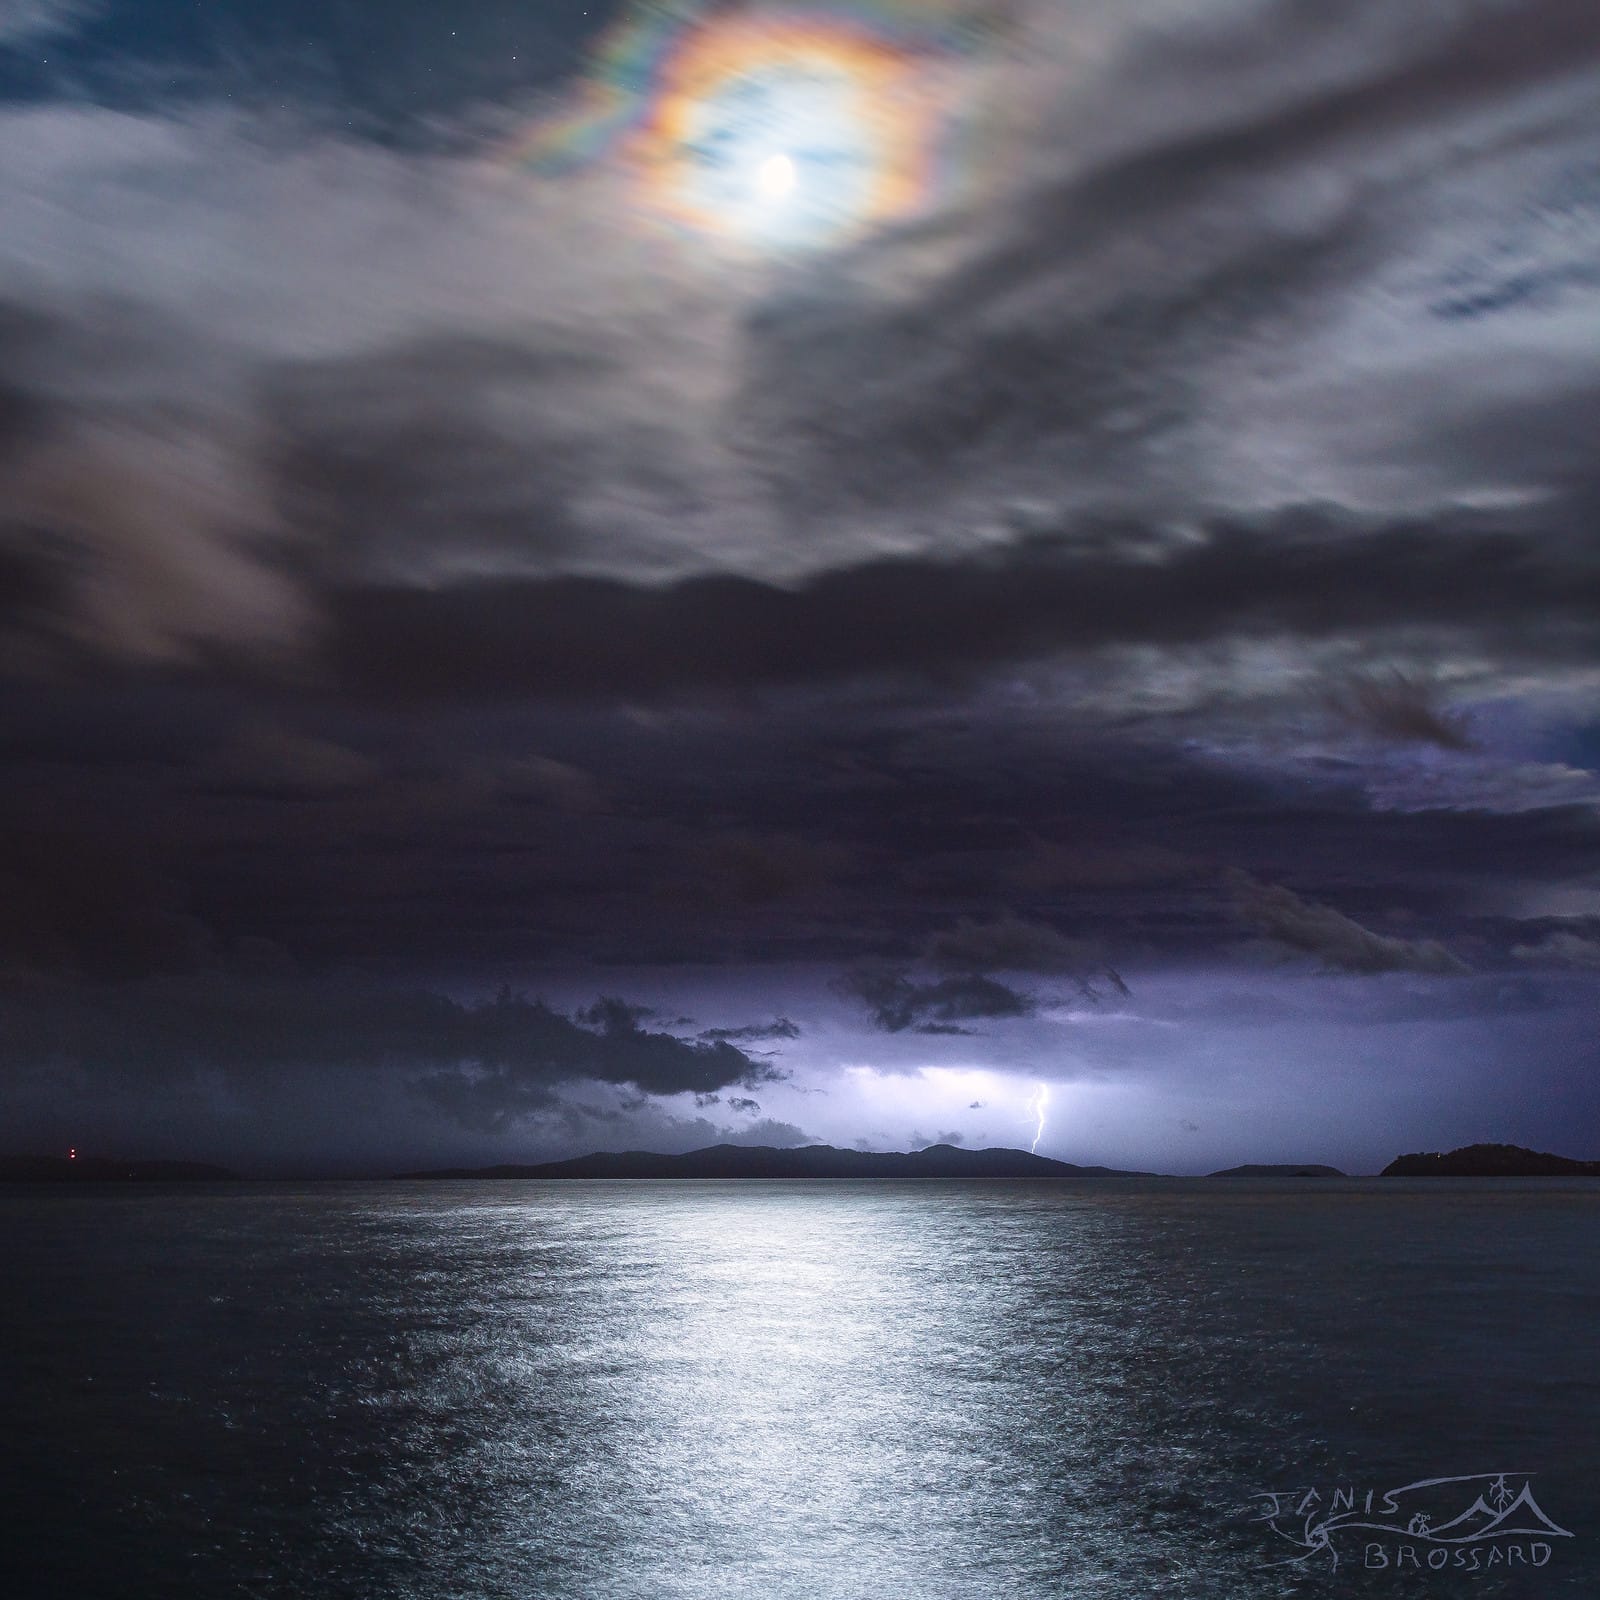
x,y
1037,1101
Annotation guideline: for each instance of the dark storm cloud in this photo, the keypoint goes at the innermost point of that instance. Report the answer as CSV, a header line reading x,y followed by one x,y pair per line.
x,y
263,758
972,958
1306,576
486,1064
97,907
542,780
755,1032
736,869
981,810
613,1016
1013,945
1396,705
1340,942
1561,949
456,449
897,1002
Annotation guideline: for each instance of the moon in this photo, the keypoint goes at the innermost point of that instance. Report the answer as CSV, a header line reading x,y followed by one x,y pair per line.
x,y
783,128
777,177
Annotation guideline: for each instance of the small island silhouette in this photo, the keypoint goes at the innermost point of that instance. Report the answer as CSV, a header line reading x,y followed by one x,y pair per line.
x,y
1490,1161
808,1161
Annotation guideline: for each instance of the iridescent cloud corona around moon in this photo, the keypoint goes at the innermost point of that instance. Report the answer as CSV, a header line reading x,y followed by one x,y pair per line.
x,y
777,127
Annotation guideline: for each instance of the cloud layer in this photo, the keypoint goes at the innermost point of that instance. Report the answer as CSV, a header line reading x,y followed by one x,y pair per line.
x,y
420,570
337,407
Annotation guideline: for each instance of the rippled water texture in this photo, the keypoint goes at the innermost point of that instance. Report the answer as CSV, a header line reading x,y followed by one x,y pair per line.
x,y
653,1391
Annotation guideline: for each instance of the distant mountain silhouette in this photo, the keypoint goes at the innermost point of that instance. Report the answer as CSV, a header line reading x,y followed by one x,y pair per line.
x,y
1280,1172
811,1161
99,1169
1490,1161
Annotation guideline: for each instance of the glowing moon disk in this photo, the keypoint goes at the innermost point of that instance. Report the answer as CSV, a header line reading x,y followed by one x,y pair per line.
x,y
778,125
828,114
778,177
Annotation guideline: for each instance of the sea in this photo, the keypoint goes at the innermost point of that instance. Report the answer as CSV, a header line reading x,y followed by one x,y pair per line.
x,y
1098,1390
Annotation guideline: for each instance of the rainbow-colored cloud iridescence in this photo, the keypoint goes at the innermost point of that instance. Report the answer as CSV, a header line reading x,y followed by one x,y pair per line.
x,y
775,125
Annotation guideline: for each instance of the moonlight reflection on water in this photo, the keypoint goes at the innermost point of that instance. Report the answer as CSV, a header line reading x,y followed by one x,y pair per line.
x,y
817,1391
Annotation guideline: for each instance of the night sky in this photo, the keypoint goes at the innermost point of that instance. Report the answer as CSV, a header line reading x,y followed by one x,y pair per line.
x,y
578,578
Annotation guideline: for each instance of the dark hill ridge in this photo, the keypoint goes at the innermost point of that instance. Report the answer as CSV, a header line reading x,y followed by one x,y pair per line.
x,y
812,1161
1490,1161
101,1169
1301,1171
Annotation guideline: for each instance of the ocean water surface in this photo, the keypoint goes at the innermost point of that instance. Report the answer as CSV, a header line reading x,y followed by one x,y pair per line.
x,y
791,1391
